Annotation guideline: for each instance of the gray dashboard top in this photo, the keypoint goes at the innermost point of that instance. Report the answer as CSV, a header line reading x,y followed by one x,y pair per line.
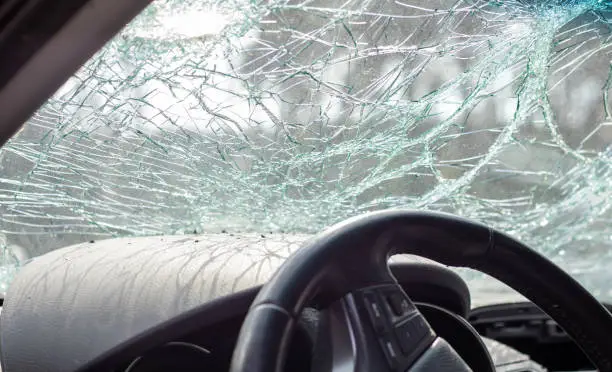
x,y
73,304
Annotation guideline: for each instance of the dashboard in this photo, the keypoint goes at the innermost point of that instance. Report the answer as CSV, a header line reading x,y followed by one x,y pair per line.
x,y
177,303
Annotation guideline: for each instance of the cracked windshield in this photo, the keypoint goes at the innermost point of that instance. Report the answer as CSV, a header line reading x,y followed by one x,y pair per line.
x,y
285,117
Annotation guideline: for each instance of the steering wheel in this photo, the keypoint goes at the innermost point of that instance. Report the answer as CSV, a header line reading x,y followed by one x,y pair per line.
x,y
373,324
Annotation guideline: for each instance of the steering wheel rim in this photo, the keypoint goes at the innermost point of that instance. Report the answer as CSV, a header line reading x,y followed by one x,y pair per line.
x,y
354,254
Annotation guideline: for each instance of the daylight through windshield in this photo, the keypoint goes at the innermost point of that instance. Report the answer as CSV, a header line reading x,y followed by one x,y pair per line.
x,y
286,117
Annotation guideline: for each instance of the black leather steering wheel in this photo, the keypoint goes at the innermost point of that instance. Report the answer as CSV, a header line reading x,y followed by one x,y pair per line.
x,y
373,324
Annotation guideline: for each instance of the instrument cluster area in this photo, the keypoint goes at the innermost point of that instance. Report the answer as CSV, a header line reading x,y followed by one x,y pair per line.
x,y
210,350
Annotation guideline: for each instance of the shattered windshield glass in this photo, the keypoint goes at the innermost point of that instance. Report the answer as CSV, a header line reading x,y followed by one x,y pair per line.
x,y
288,116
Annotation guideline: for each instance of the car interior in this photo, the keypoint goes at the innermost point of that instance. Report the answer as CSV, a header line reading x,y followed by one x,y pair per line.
x,y
379,291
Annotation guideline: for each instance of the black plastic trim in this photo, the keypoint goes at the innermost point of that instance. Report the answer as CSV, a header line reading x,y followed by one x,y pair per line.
x,y
32,24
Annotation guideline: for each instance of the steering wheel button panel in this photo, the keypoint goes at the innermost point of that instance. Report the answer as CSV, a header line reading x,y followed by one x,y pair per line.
x,y
402,332
407,336
412,332
420,325
399,303
391,352
375,312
